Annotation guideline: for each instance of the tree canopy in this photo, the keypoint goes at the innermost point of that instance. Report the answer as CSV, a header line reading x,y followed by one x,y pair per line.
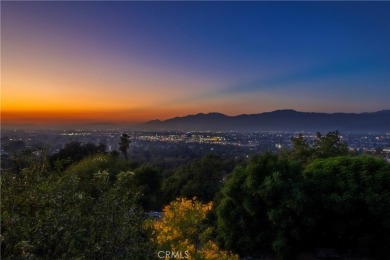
x,y
243,224
75,152
85,212
183,229
85,203
322,146
201,178
337,202
348,204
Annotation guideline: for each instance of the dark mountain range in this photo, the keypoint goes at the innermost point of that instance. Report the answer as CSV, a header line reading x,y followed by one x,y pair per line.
x,y
279,120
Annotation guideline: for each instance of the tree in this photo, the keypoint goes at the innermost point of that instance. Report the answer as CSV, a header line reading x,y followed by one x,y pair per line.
x,y
301,148
243,224
148,180
322,146
182,229
85,212
349,202
283,195
329,145
202,178
124,144
85,168
75,152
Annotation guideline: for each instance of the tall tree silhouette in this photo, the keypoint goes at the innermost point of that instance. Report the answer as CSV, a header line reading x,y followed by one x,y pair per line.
x,y
124,144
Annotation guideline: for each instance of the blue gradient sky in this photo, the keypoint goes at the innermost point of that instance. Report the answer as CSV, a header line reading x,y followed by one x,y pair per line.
x,y
136,61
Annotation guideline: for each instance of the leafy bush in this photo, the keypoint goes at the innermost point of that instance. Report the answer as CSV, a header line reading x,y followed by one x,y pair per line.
x,y
85,212
182,230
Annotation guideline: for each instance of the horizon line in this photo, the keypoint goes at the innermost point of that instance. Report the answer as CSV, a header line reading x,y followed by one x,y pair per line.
x,y
69,122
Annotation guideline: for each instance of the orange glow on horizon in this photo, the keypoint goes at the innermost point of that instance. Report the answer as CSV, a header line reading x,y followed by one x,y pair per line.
x,y
70,110
80,115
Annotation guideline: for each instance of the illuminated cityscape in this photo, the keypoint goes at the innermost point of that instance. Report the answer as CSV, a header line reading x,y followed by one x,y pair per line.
x,y
247,143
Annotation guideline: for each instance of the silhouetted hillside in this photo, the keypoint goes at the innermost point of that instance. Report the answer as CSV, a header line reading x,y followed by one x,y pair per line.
x,y
279,120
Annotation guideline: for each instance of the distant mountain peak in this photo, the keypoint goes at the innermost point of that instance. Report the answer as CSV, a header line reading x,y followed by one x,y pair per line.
x,y
285,111
210,113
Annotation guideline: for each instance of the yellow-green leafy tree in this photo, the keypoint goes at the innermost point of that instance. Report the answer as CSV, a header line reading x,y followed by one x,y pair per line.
x,y
182,231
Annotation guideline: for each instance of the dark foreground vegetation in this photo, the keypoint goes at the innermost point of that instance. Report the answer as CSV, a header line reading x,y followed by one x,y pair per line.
x,y
88,204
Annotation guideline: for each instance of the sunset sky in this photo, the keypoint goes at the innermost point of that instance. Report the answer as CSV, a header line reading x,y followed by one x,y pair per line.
x,y
83,62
